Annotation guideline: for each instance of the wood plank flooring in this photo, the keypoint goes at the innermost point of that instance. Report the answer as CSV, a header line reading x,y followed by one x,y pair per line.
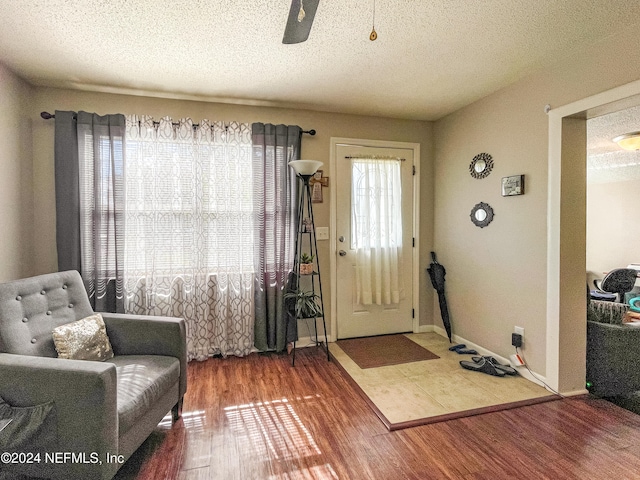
x,y
259,418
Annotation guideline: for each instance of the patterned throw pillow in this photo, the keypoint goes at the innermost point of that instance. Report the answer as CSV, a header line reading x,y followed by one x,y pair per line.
x,y
85,339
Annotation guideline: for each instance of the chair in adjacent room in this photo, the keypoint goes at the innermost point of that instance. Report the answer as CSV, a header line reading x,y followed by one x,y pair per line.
x,y
618,281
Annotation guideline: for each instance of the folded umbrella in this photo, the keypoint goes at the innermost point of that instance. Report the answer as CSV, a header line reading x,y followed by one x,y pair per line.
x,y
436,274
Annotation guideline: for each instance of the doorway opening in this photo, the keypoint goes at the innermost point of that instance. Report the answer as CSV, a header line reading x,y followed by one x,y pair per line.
x,y
566,240
613,191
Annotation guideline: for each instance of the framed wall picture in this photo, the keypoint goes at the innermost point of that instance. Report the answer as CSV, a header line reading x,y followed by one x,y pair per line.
x,y
513,185
317,182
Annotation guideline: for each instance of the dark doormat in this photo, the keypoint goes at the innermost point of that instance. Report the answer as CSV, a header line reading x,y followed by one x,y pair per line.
x,y
371,352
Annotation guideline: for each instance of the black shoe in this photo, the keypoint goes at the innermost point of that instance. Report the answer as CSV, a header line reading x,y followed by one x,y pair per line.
x,y
509,370
483,366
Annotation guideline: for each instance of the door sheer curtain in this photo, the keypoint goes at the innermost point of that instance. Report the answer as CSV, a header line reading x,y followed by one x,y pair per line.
x,y
376,219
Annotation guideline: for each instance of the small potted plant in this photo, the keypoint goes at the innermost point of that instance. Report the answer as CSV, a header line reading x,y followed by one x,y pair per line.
x,y
306,303
306,264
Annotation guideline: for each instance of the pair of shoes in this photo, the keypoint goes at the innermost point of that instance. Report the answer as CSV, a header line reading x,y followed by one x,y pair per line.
x,y
509,370
483,366
462,350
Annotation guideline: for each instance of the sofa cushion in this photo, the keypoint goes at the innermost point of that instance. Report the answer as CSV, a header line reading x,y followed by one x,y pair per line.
x,y
85,339
141,381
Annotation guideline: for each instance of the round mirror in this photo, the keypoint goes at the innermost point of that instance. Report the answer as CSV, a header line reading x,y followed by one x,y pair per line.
x,y
481,214
481,165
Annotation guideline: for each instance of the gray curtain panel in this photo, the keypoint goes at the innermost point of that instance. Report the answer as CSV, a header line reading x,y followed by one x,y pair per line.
x,y
275,194
89,176
67,191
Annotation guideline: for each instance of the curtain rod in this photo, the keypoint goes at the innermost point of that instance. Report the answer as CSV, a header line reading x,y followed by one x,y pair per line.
x,y
49,116
375,157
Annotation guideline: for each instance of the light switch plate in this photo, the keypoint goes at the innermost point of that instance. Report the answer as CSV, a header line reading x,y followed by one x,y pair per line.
x,y
322,233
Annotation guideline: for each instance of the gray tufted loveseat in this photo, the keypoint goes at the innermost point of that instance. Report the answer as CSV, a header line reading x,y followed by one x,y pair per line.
x,y
103,410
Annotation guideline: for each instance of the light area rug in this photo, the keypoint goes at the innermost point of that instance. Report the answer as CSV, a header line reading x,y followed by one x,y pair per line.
x,y
428,391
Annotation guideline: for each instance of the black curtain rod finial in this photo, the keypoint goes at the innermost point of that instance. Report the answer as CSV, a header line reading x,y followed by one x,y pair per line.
x,y
47,115
311,132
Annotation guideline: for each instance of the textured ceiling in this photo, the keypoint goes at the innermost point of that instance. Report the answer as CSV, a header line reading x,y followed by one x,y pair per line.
x,y
606,161
431,57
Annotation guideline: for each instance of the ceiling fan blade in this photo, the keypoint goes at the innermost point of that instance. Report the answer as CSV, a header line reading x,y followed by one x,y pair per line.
x,y
298,31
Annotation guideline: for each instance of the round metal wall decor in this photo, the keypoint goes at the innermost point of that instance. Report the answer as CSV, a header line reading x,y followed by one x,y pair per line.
x,y
481,165
481,215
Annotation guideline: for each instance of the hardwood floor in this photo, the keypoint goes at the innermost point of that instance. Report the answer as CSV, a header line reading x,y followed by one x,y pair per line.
x,y
259,418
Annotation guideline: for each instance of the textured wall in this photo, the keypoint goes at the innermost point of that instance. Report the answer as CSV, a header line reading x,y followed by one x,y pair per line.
x,y
497,275
613,228
16,205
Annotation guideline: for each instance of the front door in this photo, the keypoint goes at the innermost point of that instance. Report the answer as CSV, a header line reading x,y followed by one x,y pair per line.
x,y
358,315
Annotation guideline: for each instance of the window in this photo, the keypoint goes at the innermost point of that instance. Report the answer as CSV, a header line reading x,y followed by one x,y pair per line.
x,y
376,211
189,198
101,188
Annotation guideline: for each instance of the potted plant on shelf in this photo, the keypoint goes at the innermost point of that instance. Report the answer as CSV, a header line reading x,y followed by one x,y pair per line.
x,y
306,303
306,264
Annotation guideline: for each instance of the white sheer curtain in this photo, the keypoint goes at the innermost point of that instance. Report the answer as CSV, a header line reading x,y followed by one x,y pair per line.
x,y
377,229
189,243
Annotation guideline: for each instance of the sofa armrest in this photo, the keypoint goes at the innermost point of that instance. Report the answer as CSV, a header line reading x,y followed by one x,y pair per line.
x,y
85,399
149,335
613,358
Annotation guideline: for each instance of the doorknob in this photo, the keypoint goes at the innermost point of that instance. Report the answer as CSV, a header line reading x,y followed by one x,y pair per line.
x,y
341,238
342,253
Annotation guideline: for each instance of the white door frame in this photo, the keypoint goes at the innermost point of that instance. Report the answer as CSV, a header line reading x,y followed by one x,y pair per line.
x,y
333,241
563,355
